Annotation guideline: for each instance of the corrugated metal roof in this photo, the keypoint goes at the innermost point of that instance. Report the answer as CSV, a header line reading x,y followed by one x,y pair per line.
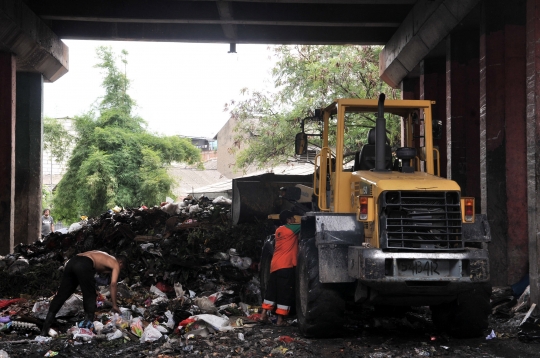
x,y
226,185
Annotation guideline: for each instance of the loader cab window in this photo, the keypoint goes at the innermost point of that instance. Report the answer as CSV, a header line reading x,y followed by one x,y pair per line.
x,y
359,140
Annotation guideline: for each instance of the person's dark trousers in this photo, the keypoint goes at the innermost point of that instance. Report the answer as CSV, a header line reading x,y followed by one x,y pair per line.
x,y
78,271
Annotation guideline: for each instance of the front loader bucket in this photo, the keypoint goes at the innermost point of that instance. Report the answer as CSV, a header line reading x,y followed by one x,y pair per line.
x,y
257,196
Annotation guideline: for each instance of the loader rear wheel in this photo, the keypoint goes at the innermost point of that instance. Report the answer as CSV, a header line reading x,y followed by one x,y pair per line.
x,y
466,317
320,307
266,260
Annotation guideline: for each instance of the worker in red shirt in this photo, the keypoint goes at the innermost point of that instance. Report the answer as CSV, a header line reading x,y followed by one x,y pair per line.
x,y
280,291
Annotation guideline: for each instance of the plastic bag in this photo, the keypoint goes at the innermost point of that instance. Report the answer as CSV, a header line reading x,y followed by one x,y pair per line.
x,y
170,320
221,200
98,327
161,328
114,335
178,290
136,327
108,328
8,302
42,339
194,209
20,265
214,297
159,300
171,208
218,323
157,291
150,334
120,322
74,228
205,304
84,333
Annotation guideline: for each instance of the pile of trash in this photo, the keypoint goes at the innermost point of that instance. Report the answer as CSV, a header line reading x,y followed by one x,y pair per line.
x,y
512,313
189,273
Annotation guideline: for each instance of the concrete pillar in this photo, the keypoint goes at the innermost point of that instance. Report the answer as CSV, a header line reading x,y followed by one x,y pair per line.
x,y
533,142
7,150
28,163
462,112
434,83
502,99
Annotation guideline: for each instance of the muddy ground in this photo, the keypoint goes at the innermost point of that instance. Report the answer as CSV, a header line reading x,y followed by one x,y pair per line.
x,y
409,334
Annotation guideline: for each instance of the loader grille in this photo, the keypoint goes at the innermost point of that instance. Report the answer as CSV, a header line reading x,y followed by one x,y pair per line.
x,y
426,220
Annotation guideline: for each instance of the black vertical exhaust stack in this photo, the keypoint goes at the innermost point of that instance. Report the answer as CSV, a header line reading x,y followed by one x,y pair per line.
x,y
380,137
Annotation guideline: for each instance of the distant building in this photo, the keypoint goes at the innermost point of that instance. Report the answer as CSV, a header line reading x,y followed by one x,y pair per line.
x,y
208,147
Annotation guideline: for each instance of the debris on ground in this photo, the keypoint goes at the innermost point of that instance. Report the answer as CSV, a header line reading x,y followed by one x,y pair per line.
x,y
191,287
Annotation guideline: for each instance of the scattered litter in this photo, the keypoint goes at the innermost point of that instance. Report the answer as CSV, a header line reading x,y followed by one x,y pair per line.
x,y
492,335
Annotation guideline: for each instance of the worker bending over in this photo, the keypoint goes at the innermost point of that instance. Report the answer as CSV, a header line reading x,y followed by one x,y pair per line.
x,y
80,270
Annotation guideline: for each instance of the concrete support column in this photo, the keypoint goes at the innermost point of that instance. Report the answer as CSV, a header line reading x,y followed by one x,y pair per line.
x,y
502,99
28,163
462,112
434,79
533,142
7,150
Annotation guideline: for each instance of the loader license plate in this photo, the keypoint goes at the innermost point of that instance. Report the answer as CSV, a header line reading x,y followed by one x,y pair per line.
x,y
416,268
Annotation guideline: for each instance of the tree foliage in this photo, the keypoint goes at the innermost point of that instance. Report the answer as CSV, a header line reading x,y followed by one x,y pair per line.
x,y
305,78
116,160
56,139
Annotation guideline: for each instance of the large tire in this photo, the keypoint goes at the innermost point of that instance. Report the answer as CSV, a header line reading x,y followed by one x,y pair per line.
x,y
266,260
320,307
466,317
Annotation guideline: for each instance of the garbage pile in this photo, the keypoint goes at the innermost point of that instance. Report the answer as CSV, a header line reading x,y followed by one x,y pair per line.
x,y
512,313
189,273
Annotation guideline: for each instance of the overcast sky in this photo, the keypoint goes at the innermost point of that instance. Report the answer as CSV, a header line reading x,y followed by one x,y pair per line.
x,y
180,88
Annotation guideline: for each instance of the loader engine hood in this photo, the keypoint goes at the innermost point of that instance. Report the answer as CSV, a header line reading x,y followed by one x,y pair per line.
x,y
403,181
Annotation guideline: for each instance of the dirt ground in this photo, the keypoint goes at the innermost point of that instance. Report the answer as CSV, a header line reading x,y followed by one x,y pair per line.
x,y
409,334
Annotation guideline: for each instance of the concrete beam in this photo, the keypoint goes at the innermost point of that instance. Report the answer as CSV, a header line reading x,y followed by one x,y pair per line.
x,y
428,23
37,48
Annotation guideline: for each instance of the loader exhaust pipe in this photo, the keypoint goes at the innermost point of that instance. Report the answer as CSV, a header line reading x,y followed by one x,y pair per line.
x,y
380,137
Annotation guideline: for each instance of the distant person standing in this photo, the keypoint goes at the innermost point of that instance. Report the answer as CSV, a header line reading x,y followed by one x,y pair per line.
x,y
47,223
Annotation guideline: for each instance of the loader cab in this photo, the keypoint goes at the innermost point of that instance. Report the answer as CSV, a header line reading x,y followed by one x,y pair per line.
x,y
347,148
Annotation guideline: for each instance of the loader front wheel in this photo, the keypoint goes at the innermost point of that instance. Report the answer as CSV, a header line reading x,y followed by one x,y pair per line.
x,y
320,307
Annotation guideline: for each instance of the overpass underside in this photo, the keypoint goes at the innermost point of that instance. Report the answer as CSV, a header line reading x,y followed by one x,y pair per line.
x,y
478,59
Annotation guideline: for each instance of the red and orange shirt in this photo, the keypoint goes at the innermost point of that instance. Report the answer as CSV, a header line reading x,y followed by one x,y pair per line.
x,y
286,248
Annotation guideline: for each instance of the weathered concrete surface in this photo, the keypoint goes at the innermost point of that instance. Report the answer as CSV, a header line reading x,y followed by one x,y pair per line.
x,y
503,122
462,113
37,48
493,134
7,150
28,152
424,27
533,142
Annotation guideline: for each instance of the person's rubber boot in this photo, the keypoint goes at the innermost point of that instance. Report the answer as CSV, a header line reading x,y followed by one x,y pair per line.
x,y
88,321
47,324
89,317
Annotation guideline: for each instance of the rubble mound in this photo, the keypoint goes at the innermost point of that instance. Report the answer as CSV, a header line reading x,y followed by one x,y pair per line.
x,y
170,244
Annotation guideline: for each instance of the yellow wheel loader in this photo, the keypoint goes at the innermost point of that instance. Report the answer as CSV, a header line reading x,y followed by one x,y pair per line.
x,y
387,230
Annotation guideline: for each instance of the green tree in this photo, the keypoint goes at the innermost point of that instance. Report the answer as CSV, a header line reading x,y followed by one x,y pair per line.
x,y
305,78
56,139
116,160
